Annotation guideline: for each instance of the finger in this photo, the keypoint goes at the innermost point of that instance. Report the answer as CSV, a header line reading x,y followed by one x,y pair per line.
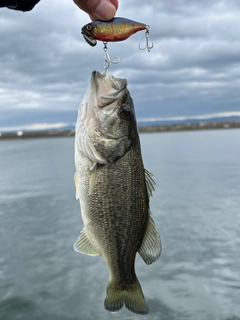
x,y
98,9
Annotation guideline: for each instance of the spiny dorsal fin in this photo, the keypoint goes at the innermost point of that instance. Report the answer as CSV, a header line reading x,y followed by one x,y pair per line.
x,y
149,182
151,246
83,245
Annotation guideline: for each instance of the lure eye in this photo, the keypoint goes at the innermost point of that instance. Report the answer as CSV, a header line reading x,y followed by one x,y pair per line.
x,y
88,27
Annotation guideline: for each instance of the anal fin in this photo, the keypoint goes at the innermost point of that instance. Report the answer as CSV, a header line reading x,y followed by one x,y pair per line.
x,y
151,246
83,245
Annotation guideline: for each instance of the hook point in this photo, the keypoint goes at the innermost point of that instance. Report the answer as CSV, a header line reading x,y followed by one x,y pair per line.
x,y
147,46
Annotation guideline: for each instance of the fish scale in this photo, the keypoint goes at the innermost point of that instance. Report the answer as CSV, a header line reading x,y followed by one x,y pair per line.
x,y
113,198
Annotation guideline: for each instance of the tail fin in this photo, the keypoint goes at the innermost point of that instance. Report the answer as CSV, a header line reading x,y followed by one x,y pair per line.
x,y
132,297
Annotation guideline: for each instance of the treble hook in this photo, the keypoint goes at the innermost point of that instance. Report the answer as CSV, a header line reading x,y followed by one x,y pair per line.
x,y
148,47
107,57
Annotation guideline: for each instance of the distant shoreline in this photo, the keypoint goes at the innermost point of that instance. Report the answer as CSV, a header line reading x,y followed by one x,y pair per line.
x,y
141,129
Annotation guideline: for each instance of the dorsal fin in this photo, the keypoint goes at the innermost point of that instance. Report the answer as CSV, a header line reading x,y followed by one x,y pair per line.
x,y
149,182
151,246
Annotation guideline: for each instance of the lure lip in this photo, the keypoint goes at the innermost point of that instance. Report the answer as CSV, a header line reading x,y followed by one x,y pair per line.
x,y
90,40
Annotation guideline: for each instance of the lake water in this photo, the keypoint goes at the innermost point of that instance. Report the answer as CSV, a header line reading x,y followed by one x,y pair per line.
x,y
196,207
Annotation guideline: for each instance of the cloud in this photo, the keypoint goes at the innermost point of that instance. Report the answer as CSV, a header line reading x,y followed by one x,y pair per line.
x,y
193,69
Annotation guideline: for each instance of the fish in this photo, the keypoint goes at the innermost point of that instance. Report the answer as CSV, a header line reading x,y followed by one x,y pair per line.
x,y
114,190
117,29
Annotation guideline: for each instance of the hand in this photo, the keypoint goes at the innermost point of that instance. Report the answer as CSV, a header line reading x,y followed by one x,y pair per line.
x,y
22,5
98,9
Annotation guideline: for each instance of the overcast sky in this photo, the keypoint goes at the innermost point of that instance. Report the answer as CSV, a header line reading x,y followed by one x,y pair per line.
x,y
193,69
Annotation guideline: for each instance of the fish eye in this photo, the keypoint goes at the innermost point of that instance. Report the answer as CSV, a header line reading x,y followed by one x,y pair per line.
x,y
125,113
88,27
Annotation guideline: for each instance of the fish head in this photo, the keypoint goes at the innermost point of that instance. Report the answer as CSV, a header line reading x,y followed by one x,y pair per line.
x,y
87,32
106,119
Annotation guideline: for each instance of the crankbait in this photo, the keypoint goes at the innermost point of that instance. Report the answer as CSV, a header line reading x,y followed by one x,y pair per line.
x,y
117,29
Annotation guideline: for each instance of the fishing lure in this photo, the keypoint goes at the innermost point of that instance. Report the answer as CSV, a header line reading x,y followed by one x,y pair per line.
x,y
117,29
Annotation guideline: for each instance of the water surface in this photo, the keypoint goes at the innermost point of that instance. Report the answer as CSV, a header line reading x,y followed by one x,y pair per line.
x,y
195,206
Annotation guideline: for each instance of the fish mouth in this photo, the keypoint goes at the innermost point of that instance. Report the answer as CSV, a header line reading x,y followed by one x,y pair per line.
x,y
107,88
110,137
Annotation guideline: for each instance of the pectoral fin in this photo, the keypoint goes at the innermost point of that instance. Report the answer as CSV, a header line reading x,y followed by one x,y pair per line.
x,y
151,246
92,177
76,185
83,245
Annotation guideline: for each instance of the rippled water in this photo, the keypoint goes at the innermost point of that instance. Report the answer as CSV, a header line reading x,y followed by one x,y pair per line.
x,y
196,208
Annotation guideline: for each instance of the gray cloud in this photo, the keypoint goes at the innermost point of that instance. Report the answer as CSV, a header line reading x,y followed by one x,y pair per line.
x,y
194,67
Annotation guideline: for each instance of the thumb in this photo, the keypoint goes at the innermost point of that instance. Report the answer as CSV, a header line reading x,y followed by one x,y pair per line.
x,y
98,9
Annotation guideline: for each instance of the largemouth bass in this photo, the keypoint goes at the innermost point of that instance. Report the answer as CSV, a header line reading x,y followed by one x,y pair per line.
x,y
114,189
